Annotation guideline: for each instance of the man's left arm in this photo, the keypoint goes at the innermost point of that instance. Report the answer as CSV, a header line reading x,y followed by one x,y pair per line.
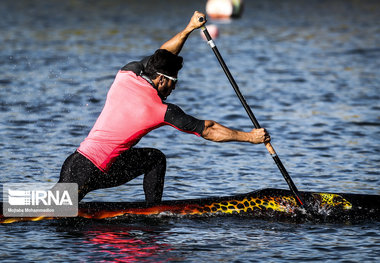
x,y
177,118
214,131
175,44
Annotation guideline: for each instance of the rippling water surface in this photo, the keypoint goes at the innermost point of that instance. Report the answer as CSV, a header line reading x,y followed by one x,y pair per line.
x,y
309,70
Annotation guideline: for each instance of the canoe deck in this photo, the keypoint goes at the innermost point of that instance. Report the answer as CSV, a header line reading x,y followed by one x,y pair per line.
x,y
267,204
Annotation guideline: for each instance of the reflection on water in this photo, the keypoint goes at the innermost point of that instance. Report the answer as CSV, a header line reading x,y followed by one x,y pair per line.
x,y
124,246
308,70
202,240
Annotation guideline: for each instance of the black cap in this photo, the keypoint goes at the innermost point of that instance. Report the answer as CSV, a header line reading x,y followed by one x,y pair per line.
x,y
164,62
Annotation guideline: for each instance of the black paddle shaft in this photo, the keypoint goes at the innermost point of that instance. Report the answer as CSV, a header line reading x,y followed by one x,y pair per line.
x,y
277,160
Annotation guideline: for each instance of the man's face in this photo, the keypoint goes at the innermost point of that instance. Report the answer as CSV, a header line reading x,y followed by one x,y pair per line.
x,y
166,86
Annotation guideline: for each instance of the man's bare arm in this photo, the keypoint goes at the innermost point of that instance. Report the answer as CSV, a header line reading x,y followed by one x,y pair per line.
x,y
216,132
175,44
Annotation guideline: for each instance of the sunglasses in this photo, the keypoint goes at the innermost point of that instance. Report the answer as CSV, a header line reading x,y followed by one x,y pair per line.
x,y
168,77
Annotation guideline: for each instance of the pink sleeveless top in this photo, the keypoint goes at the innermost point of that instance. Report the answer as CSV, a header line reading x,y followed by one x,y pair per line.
x,y
132,109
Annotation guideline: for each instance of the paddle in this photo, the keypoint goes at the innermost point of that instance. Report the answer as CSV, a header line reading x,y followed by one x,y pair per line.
x,y
268,145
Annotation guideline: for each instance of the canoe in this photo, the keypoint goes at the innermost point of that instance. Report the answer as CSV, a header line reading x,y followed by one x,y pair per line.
x,y
266,204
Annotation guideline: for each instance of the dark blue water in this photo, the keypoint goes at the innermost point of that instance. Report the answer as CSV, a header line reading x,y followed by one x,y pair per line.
x,y
309,70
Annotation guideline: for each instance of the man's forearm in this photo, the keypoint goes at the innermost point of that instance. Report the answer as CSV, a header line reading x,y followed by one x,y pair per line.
x,y
216,132
175,44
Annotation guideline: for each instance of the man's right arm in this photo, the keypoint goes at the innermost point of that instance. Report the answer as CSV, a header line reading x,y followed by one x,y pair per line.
x,y
175,44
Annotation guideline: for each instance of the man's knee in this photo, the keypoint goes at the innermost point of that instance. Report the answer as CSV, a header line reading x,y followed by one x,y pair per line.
x,y
157,155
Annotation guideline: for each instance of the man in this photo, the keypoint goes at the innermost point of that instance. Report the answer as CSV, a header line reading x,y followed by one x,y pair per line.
x,y
134,107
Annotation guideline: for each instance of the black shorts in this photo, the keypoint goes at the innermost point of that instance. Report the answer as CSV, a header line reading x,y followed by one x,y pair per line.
x,y
130,164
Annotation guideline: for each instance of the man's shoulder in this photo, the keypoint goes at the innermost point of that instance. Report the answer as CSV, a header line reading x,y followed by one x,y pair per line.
x,y
136,66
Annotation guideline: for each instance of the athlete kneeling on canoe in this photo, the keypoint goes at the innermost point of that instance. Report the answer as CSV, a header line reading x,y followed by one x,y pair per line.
x,y
135,106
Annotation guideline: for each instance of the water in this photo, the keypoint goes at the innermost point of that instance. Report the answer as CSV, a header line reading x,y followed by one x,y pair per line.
x,y
308,70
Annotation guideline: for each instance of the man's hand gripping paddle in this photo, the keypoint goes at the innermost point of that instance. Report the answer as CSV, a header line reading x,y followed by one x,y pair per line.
x,y
268,145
